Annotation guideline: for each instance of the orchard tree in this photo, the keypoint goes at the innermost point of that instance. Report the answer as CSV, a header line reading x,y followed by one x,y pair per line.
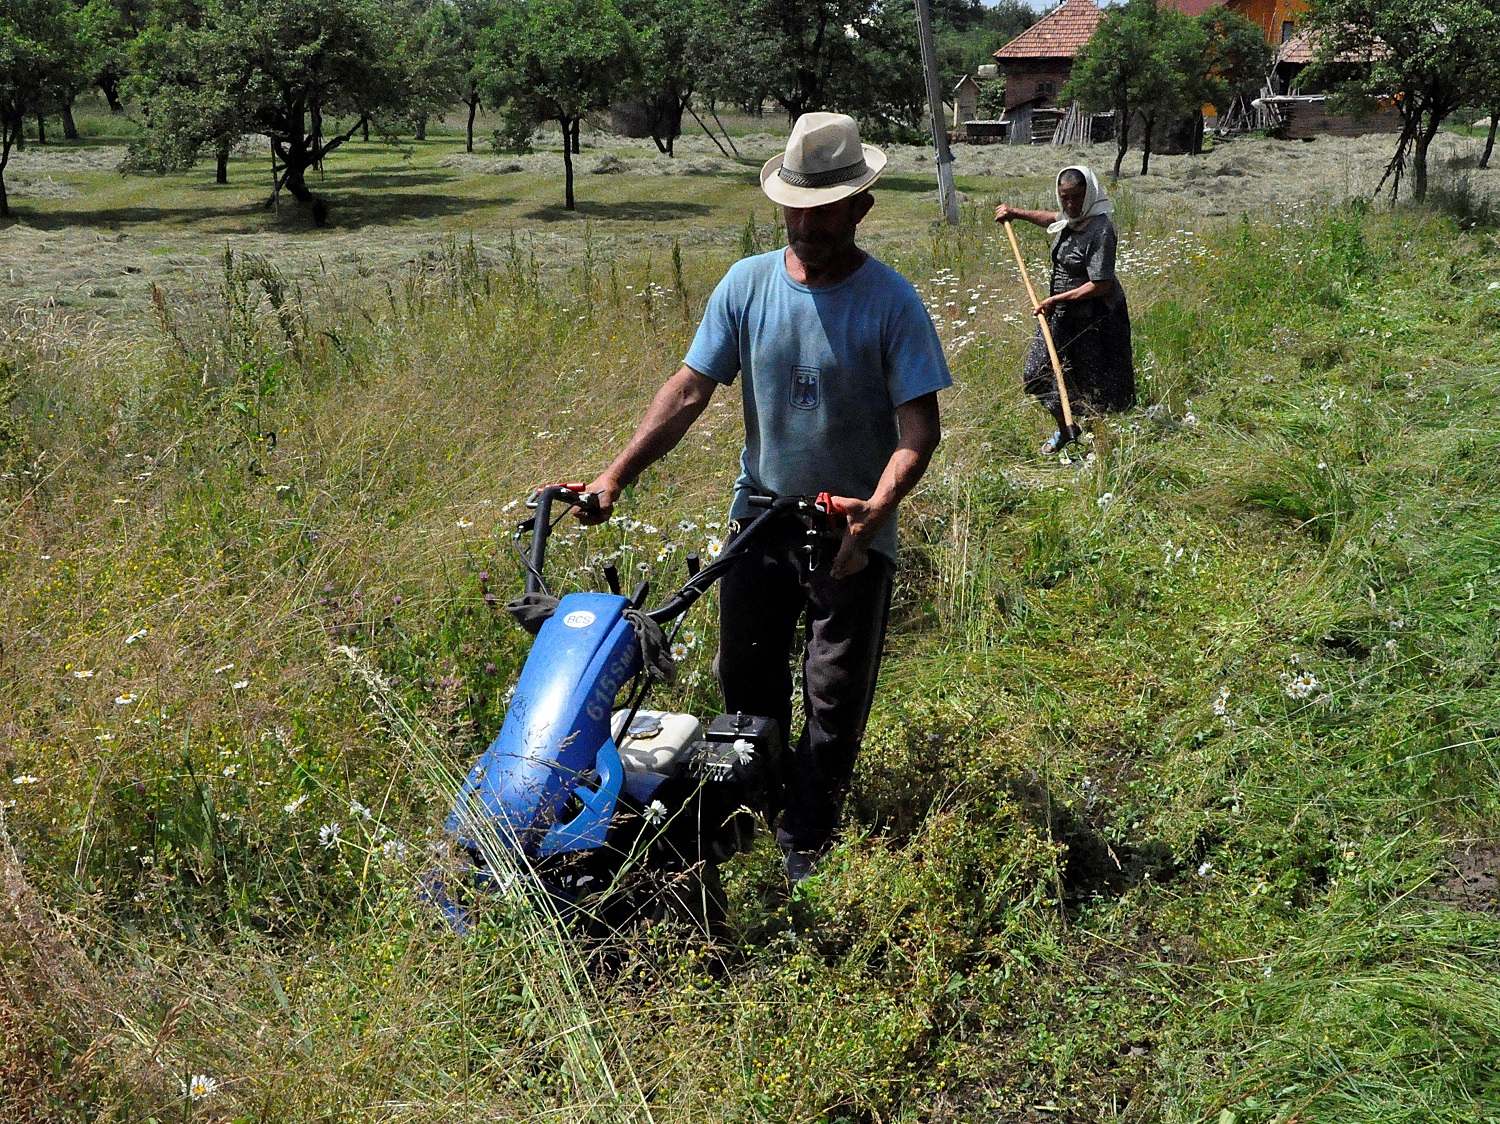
x,y
462,24
1116,69
666,46
306,74
38,44
554,60
1430,56
432,68
853,56
109,29
1145,61
1173,83
1487,84
1235,63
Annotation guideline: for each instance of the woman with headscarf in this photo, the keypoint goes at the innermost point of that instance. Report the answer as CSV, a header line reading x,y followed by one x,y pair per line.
x,y
1086,309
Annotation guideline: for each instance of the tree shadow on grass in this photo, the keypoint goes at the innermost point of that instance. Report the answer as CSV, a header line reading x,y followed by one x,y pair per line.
x,y
345,212
385,181
357,211
637,210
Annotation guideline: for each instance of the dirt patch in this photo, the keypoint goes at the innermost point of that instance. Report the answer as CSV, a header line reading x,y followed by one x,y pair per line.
x,y
1475,882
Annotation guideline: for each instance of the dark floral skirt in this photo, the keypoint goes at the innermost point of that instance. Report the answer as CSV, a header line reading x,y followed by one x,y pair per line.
x,y
1093,343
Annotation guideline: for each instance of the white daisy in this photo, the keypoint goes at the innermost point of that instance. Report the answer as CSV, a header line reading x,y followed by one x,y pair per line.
x,y
656,813
1302,686
139,634
25,778
328,835
125,700
80,674
200,1086
679,651
291,809
465,524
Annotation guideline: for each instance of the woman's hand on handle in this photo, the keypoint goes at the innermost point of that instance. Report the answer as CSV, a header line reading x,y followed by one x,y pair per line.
x,y
1006,213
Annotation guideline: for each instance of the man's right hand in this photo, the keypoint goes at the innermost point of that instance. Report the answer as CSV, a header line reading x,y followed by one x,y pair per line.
x,y
608,491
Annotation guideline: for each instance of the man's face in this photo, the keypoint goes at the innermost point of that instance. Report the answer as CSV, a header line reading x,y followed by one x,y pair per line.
x,y
819,235
1071,192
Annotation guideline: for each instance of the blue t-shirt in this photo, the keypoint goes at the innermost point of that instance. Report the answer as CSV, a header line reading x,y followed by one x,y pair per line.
x,y
825,369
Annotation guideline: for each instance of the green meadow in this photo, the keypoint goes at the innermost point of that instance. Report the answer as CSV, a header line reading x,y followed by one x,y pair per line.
x,y
1178,803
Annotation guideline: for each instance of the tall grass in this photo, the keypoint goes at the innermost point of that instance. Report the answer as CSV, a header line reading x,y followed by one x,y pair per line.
x,y
1214,699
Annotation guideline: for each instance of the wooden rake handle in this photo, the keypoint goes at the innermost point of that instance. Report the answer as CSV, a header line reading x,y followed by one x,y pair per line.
x,y
1062,389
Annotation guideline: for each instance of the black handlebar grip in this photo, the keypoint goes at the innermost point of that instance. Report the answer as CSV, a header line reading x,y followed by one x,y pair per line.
x,y
761,501
612,576
692,565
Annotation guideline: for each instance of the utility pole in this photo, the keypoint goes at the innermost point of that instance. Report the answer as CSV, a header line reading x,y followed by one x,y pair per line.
x,y
947,197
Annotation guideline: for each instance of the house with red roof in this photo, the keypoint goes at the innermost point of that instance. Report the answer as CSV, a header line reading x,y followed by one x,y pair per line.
x,y
1037,62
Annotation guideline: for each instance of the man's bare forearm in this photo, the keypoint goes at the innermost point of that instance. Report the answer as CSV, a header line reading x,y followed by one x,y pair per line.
x,y
676,406
921,430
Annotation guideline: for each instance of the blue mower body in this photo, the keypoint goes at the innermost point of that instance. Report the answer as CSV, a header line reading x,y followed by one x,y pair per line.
x,y
555,743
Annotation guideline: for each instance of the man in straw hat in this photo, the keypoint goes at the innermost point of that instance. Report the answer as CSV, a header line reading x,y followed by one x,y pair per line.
x,y
841,368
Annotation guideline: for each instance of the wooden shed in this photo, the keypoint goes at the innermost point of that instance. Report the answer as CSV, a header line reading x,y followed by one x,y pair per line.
x,y
965,101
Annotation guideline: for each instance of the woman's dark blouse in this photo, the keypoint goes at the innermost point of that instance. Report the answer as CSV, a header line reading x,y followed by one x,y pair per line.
x,y
1087,255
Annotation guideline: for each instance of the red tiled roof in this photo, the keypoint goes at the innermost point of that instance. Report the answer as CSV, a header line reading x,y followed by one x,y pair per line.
x,y
1302,48
1059,35
1299,48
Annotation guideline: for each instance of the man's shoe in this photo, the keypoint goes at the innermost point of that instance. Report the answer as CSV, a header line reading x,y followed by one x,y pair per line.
x,y
799,866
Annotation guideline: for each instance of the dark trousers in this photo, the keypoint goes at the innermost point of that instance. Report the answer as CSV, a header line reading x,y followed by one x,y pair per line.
x,y
762,600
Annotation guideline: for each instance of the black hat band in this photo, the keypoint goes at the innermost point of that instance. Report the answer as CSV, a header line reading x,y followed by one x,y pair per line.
x,y
823,179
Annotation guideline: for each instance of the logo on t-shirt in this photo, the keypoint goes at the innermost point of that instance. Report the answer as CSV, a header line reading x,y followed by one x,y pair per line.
x,y
805,388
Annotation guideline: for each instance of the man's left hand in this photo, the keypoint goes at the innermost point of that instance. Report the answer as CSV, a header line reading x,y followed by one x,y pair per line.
x,y
862,521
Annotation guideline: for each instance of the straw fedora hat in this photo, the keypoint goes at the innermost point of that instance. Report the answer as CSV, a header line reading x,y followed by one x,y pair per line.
x,y
823,163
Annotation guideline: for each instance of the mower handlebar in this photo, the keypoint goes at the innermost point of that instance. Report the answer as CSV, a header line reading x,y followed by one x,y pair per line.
x,y
818,513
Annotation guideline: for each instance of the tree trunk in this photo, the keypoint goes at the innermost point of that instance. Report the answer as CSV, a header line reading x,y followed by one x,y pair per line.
x,y
70,127
1122,138
568,201
109,85
421,127
221,164
7,138
577,125
1146,145
1419,162
364,125
1489,143
1197,148
41,129
473,109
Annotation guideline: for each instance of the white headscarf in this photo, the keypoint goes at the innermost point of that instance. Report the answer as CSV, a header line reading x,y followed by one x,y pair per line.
x,y
1095,202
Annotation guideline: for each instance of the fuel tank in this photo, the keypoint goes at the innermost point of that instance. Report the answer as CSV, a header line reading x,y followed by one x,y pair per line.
x,y
555,743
